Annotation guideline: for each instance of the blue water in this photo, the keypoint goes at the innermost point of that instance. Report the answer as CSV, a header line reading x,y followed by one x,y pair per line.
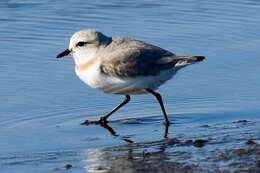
x,y
43,102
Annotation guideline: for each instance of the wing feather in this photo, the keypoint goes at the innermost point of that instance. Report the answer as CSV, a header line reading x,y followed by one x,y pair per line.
x,y
134,58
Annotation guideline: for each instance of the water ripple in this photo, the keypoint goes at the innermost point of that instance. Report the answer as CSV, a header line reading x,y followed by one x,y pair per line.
x,y
39,91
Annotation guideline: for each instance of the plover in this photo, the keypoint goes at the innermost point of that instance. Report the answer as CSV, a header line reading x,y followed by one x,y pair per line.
x,y
123,66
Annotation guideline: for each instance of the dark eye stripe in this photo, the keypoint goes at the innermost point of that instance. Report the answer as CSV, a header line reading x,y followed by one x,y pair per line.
x,y
81,43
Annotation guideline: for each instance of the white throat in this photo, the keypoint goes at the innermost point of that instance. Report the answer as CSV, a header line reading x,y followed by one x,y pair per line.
x,y
83,56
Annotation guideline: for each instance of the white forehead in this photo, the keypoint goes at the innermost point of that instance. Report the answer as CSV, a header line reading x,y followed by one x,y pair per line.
x,y
86,35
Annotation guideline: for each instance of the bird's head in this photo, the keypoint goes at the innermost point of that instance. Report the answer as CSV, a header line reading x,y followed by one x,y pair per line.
x,y
84,44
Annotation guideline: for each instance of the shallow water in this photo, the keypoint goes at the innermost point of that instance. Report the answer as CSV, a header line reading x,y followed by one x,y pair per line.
x,y
43,102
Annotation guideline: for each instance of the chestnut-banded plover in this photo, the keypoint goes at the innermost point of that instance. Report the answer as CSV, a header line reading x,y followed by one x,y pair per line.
x,y
123,66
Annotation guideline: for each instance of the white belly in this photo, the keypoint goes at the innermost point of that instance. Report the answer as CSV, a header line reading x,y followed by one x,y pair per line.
x,y
109,84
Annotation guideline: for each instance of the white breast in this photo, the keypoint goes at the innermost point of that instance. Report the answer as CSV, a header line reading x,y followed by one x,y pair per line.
x,y
89,75
93,77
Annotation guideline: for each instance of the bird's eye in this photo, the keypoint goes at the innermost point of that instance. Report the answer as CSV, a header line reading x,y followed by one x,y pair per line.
x,y
81,43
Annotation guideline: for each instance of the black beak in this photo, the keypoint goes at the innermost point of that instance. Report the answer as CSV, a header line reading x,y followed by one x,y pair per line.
x,y
64,53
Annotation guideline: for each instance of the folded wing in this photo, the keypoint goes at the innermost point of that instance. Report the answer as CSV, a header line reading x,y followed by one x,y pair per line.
x,y
141,59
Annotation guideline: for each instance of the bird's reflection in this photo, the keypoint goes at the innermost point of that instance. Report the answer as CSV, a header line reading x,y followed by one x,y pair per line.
x,y
113,133
128,157
124,158
125,138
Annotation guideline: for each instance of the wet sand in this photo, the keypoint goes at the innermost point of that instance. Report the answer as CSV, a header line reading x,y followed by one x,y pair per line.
x,y
232,147
221,147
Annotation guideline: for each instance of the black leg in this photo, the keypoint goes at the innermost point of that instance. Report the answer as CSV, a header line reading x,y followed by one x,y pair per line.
x,y
103,120
166,130
159,98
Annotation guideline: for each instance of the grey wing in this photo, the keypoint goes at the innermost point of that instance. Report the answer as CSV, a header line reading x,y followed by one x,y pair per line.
x,y
139,59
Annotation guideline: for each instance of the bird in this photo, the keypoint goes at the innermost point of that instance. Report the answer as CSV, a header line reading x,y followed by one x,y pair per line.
x,y
123,66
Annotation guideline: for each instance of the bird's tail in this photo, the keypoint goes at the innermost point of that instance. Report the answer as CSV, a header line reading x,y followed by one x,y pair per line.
x,y
181,61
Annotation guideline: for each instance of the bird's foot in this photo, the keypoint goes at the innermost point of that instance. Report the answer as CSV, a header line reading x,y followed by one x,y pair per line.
x,y
102,121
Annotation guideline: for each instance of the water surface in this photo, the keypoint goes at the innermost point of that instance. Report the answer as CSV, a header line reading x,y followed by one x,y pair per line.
x,y
43,102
